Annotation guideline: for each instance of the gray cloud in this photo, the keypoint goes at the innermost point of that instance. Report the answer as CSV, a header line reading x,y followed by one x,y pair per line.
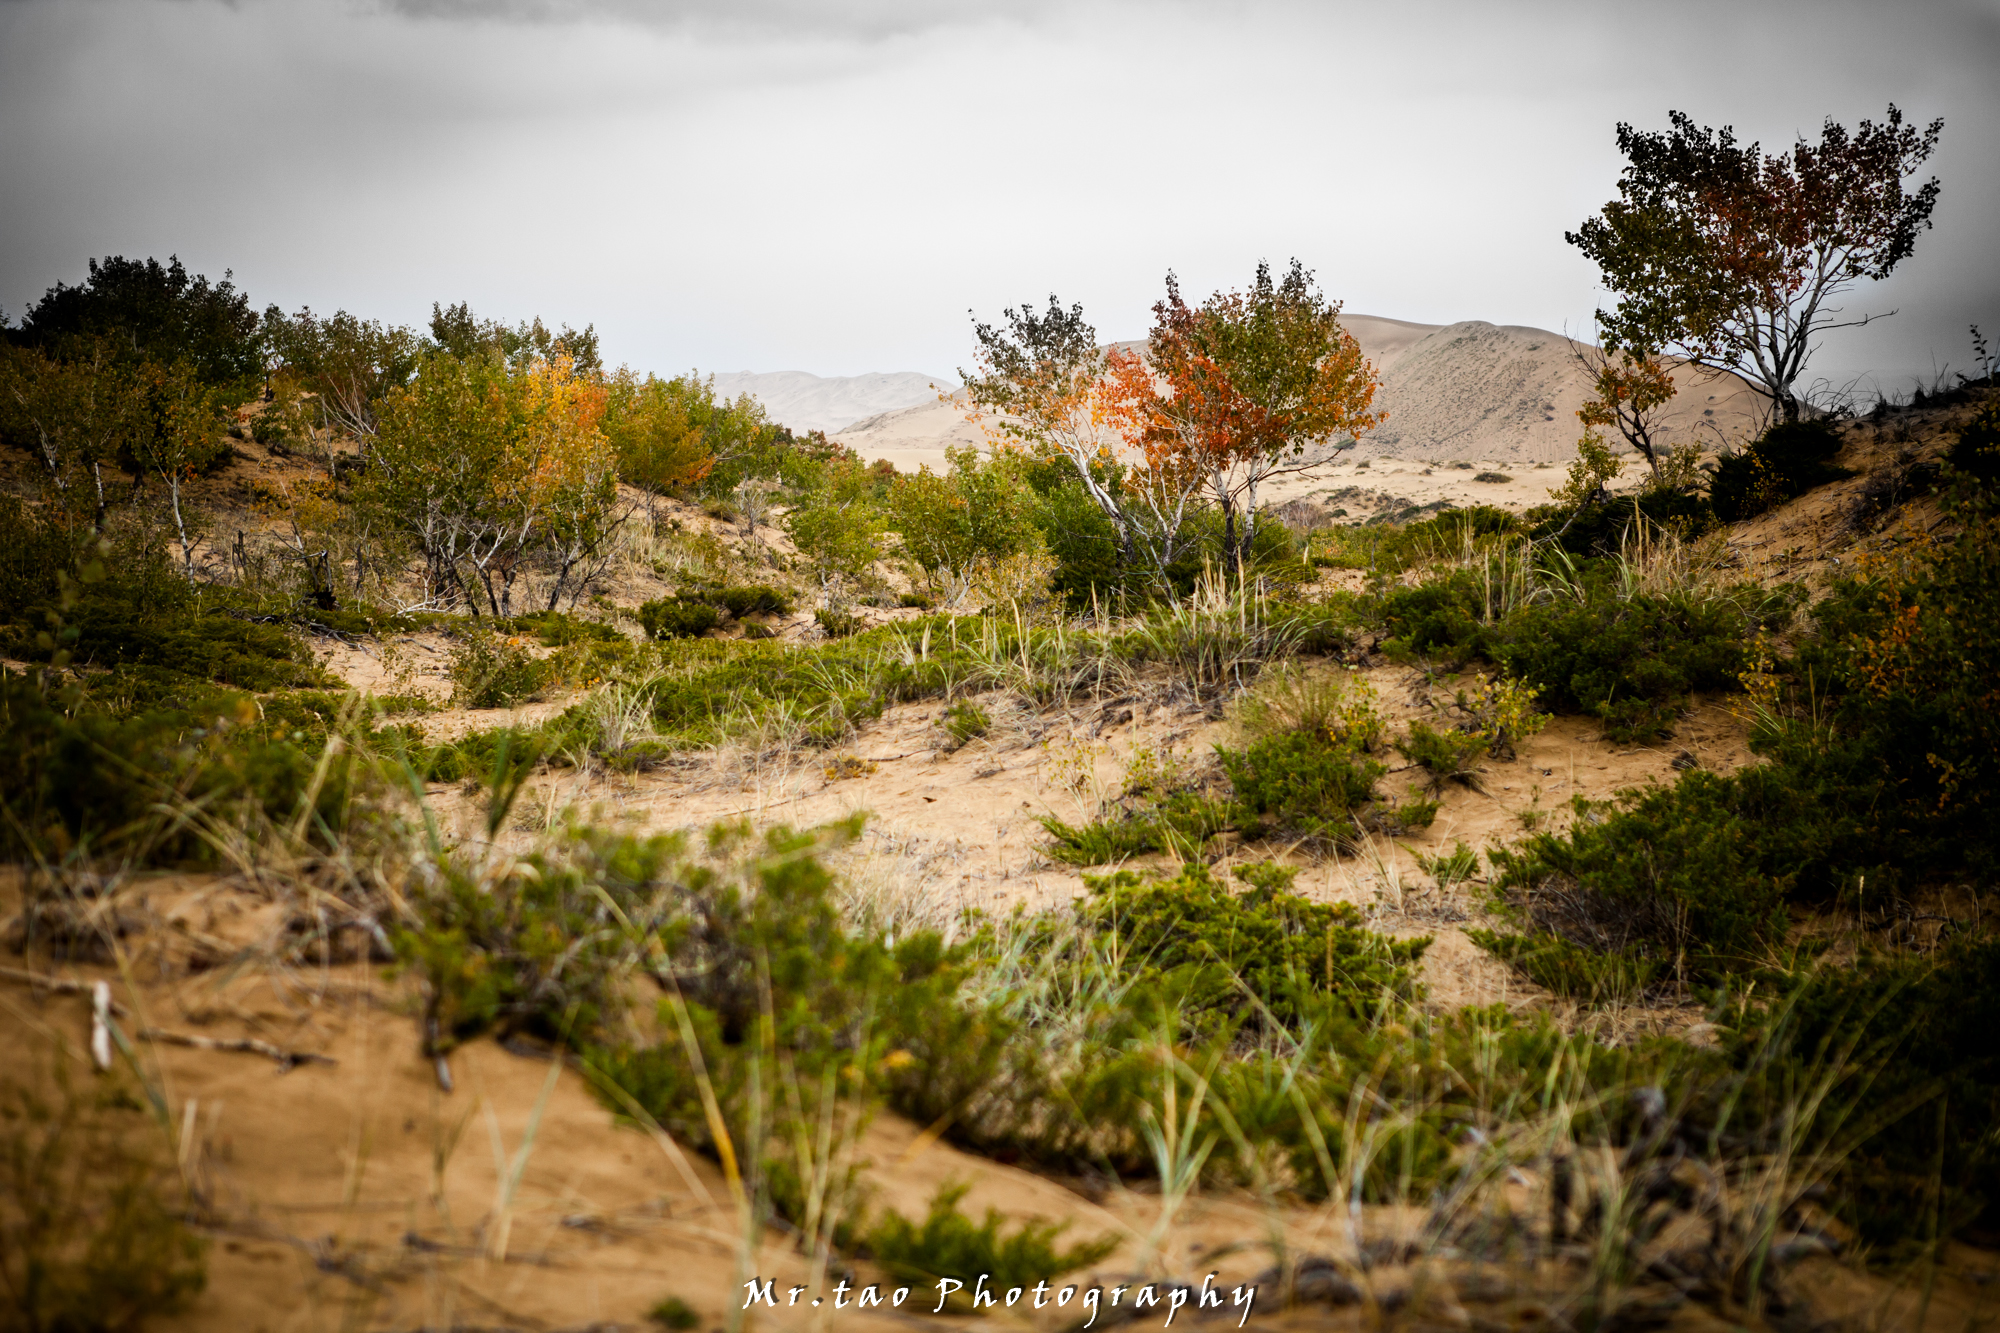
x,y
828,186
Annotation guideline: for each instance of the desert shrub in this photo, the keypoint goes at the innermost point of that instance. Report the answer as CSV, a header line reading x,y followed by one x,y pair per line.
x,y
948,1244
1180,823
677,619
962,722
76,778
1448,755
741,600
1568,968
1443,615
1502,710
1493,478
674,1313
1295,780
1789,459
91,1233
1391,548
491,670
1976,451
1237,957
556,629
764,964
838,624
1691,877
915,601
1600,529
1920,1038
1631,661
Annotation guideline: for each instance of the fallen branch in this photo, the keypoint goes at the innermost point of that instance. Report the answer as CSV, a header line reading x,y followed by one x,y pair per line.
x,y
286,1060
60,985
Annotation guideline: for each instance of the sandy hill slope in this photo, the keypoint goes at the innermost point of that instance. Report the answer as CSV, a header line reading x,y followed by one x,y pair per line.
x,y
829,402
1471,390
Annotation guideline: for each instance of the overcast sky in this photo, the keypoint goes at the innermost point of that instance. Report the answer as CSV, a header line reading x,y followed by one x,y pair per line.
x,y
829,185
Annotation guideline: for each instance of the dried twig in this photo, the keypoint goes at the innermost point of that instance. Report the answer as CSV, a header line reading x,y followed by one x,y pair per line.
x,y
60,985
244,1045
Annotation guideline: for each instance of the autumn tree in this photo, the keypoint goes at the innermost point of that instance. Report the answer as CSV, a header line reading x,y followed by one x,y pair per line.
x,y
1251,386
1036,383
1627,391
1730,257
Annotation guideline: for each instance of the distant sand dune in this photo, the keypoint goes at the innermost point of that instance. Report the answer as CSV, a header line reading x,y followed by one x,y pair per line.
x,y
830,402
1471,390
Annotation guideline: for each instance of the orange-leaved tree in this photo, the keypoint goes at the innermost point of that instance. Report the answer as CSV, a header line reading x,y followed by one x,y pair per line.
x,y
1627,391
1036,381
1248,386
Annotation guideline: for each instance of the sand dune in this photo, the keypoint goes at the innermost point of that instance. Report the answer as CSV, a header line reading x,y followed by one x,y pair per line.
x,y
805,401
1471,391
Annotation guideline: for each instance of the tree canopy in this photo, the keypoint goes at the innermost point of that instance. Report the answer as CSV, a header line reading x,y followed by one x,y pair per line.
x,y
1728,256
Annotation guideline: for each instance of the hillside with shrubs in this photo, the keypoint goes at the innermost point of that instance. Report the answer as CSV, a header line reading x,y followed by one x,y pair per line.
x,y
495,840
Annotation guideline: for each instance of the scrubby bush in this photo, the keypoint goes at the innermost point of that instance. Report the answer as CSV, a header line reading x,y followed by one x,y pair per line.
x,y
1448,755
962,722
491,670
1295,780
677,619
1789,459
948,1244
1256,955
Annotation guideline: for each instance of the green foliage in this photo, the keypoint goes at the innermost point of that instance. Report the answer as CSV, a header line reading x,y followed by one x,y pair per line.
x,y
838,624
962,722
1789,459
675,1313
1976,452
156,312
1632,661
1296,780
948,1244
1922,1036
91,1234
678,619
1602,529
1683,876
1180,824
1568,968
1259,956
1449,755
981,509
491,670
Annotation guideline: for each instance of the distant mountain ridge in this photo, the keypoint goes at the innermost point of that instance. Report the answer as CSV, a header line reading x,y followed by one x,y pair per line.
x,y
806,401
1470,390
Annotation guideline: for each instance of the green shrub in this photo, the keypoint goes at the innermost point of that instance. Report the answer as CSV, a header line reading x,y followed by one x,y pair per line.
x,y
1602,529
961,723
1448,756
1242,956
1300,781
491,670
677,619
1180,823
745,600
1976,451
1633,662
1568,968
915,600
91,1233
838,624
1690,877
676,1314
1789,459
948,1244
